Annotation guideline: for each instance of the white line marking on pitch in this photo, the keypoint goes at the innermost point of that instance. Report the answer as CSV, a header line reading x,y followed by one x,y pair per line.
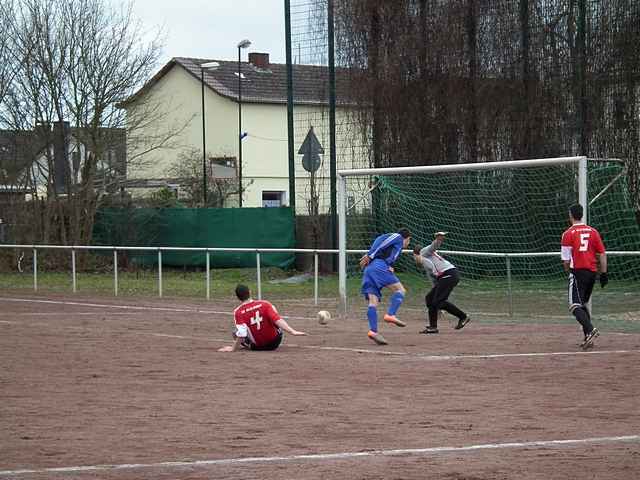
x,y
418,355
511,355
131,307
314,347
345,349
423,356
324,456
66,314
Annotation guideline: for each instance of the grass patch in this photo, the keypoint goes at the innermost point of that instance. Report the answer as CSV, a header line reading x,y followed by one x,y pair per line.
x,y
532,300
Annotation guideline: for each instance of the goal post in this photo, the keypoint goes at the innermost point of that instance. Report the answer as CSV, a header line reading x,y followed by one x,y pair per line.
x,y
579,163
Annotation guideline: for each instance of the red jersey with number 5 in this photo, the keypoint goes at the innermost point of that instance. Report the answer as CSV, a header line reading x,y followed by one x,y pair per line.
x,y
260,317
580,243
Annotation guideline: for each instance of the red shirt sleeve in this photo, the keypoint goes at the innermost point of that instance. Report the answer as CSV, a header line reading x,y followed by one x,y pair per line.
x,y
566,239
274,316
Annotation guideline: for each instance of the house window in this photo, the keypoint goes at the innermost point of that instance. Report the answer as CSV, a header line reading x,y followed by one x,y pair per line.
x,y
222,167
174,188
223,161
273,199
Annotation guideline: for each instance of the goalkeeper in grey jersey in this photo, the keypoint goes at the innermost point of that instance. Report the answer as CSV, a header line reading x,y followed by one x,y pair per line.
x,y
445,278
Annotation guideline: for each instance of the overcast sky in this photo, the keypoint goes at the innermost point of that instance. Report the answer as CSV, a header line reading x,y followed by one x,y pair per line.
x,y
213,28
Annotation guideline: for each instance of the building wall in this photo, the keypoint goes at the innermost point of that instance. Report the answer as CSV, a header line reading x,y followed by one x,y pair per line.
x,y
265,159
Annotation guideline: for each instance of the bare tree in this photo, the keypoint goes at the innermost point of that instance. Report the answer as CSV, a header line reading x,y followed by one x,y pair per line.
x,y
78,59
7,62
187,173
468,80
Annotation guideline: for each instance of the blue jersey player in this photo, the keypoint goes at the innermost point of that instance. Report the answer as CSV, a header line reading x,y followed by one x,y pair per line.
x,y
379,273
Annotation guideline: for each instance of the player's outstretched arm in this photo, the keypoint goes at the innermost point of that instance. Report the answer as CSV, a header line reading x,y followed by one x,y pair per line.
x,y
287,328
240,334
231,348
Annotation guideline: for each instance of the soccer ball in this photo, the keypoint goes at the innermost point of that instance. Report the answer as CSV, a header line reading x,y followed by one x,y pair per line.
x,y
323,317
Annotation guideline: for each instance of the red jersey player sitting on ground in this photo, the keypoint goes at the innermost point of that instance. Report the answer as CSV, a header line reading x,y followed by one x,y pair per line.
x,y
258,324
582,251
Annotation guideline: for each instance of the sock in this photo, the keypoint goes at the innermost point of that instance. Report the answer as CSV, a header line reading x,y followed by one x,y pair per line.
x,y
372,316
582,315
396,301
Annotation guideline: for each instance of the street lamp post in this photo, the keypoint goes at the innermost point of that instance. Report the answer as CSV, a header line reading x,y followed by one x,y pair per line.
x,y
203,66
241,45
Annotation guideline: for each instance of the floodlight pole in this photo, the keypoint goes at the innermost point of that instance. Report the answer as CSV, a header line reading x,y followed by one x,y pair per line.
x,y
204,132
290,130
239,130
204,144
241,45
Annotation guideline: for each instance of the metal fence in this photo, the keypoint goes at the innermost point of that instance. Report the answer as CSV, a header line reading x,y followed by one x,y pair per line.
x,y
207,251
507,257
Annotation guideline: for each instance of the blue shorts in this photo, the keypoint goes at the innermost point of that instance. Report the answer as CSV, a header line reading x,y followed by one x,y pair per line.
x,y
377,276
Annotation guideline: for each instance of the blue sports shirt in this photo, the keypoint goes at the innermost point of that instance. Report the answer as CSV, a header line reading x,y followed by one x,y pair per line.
x,y
386,247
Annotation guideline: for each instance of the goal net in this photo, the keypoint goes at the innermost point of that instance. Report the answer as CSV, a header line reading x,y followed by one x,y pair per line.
x,y
504,221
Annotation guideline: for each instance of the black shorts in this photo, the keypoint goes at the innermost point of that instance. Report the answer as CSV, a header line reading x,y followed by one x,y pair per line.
x,y
275,343
581,283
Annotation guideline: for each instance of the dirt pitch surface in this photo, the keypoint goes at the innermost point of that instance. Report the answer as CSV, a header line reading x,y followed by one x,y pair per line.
x,y
135,389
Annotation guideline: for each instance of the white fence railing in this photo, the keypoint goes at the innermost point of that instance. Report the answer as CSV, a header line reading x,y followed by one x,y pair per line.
x,y
159,250
258,251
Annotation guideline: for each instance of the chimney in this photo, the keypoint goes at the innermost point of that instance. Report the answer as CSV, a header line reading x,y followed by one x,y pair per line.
x,y
260,60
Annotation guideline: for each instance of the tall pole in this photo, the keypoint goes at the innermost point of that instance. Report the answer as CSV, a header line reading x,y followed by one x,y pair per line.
x,y
204,145
290,133
332,126
342,241
239,129
581,45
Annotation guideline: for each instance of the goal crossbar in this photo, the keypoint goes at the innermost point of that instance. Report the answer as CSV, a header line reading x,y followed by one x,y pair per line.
x,y
539,162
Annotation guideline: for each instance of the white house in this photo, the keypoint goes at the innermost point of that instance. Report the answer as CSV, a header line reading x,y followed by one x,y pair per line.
x,y
179,90
51,157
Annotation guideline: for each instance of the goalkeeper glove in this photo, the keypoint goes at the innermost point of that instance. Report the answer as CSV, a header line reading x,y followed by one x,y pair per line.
x,y
604,279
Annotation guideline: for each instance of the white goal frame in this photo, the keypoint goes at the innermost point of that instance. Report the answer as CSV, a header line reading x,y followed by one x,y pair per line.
x,y
342,194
